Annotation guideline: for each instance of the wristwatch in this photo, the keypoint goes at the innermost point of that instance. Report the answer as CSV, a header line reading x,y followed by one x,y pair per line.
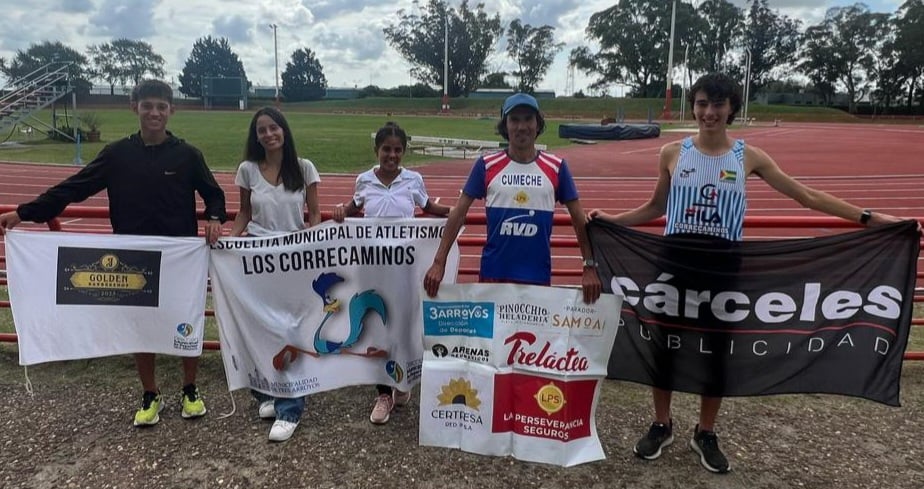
x,y
590,263
865,216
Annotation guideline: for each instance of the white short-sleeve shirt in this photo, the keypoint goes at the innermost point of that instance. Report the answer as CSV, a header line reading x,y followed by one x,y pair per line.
x,y
274,209
400,199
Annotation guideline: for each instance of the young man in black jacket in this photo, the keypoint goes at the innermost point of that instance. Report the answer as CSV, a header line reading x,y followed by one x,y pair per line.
x,y
151,178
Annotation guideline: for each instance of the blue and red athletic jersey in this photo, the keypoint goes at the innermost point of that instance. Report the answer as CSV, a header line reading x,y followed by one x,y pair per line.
x,y
520,202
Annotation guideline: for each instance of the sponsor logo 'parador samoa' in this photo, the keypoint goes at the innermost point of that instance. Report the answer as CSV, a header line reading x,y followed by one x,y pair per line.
x,y
660,297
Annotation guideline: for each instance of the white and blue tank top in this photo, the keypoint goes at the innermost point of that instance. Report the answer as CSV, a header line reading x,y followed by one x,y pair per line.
x,y
707,195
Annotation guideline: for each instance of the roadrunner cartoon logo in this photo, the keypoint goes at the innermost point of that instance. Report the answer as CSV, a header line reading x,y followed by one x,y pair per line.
x,y
361,305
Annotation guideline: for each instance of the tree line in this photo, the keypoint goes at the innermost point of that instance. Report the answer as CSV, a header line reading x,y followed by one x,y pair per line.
x,y
871,56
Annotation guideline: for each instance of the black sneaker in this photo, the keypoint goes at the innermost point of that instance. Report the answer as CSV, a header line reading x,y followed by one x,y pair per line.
x,y
659,436
706,444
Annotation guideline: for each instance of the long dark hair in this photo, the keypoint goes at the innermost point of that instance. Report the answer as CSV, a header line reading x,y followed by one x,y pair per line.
x,y
291,172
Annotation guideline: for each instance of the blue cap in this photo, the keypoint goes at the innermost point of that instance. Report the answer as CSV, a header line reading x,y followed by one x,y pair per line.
x,y
517,100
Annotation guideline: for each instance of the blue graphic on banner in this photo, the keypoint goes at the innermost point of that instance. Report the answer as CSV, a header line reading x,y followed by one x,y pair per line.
x,y
458,319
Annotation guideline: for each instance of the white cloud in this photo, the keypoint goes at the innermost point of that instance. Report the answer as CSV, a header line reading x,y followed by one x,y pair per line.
x,y
75,6
346,35
237,28
123,18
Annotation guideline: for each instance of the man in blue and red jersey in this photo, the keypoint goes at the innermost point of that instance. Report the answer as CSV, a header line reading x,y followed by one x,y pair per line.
x,y
521,186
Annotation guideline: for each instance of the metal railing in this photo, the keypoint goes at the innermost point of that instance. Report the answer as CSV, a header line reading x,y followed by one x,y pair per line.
x,y
756,222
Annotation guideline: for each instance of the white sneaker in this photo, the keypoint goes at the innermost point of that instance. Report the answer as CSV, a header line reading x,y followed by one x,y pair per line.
x,y
282,430
382,409
267,410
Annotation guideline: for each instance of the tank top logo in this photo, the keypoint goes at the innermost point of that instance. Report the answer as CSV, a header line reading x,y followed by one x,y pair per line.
x,y
704,209
707,194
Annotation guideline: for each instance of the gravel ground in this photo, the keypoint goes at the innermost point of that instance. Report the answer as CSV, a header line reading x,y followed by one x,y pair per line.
x,y
75,432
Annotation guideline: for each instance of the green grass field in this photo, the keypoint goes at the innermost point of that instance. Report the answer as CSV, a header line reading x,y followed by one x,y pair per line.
x,y
335,143
335,134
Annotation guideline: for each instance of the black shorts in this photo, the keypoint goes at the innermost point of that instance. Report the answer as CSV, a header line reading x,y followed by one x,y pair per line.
x,y
696,267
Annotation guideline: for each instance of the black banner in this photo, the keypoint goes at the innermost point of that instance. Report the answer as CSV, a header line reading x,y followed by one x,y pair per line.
x,y
707,316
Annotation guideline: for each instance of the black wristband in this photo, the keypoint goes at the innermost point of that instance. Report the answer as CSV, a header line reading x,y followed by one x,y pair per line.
x,y
865,216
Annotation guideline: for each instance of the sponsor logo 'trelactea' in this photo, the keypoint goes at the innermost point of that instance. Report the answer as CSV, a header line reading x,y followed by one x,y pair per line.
x,y
522,353
661,297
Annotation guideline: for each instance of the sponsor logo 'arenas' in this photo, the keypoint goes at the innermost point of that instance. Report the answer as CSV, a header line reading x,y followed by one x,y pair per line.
x,y
660,297
474,354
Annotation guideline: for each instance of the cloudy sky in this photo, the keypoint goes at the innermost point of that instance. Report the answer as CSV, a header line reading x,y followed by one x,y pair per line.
x,y
346,35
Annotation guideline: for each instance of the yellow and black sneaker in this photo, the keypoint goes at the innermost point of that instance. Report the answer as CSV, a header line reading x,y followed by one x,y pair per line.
x,y
151,406
193,405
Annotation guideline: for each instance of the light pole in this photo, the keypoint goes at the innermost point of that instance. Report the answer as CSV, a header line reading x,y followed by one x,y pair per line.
x,y
77,159
670,64
747,85
276,57
683,93
445,107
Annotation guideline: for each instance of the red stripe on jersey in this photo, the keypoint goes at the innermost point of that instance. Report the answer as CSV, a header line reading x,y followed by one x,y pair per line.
x,y
550,165
493,165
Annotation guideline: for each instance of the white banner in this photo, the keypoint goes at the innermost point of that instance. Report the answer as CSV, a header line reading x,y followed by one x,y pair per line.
x,y
515,370
325,307
91,295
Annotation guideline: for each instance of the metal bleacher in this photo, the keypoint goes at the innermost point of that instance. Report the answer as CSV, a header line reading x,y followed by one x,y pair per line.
x,y
25,96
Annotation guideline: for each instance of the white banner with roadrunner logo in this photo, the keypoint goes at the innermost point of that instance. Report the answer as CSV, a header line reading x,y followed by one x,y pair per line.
x,y
325,307
515,370
92,295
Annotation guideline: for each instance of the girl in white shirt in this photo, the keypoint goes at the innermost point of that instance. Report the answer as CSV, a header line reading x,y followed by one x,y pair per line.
x,y
389,190
275,185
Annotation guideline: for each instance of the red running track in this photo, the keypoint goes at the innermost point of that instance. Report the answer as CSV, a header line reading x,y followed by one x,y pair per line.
x,y
874,166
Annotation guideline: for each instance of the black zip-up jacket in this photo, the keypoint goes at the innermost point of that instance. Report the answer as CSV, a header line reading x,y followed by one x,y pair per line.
x,y
151,188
